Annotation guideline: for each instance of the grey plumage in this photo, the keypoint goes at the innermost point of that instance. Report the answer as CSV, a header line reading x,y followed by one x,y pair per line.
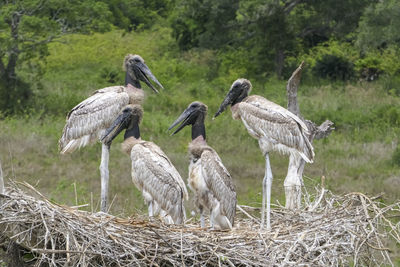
x,y
88,120
152,172
158,180
209,180
275,128
206,167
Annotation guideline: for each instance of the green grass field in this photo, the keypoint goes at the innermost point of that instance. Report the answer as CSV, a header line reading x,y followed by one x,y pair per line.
x,y
358,156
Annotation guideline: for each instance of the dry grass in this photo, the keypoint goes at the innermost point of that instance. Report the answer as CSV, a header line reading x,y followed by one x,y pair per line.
x,y
329,231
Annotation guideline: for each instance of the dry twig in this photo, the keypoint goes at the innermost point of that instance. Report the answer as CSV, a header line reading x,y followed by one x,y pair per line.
x,y
330,231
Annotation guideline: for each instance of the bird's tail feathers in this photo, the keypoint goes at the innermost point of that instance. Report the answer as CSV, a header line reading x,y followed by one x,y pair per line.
x,y
308,153
75,144
178,214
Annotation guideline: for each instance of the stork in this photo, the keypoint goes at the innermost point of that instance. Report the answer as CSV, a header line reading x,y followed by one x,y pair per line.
x,y
276,129
208,178
87,121
152,172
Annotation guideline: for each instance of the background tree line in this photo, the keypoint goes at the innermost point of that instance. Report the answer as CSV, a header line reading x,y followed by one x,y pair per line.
x,y
339,39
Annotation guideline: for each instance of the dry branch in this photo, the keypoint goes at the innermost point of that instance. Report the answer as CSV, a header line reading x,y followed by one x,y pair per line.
x,y
292,87
293,184
339,230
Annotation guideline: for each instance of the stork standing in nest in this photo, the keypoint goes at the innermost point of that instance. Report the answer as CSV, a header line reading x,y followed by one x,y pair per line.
x,y
208,178
87,121
152,172
276,129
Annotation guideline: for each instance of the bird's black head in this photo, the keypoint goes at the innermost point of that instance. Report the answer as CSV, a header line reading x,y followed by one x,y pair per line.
x,y
137,70
193,114
129,119
239,90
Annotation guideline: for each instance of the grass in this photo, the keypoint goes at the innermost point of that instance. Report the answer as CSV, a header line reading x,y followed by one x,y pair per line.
x,y
356,157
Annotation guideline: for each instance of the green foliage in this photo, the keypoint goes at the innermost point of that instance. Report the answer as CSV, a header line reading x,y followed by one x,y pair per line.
x,y
343,50
396,156
379,25
334,68
269,31
26,27
203,24
376,62
391,84
137,14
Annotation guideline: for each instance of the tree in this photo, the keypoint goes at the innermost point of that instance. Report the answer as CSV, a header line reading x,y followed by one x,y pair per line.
x,y
204,23
28,26
133,14
269,30
380,25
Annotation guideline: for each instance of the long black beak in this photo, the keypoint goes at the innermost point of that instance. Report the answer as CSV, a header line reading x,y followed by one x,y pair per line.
x,y
120,123
230,97
185,118
145,72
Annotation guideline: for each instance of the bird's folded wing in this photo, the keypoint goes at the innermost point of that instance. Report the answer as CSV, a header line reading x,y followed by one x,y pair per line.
x,y
278,125
94,114
219,182
157,175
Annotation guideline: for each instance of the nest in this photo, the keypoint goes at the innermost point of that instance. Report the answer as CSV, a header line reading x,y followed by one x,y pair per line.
x,y
329,231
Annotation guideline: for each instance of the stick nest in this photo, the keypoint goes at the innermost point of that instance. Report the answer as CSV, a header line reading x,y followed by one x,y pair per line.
x,y
329,231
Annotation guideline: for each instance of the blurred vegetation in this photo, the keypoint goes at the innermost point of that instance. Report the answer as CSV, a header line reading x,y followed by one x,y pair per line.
x,y
197,49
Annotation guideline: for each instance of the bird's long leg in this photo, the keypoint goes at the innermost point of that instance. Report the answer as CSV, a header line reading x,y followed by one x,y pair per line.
x,y
202,219
105,155
151,209
267,183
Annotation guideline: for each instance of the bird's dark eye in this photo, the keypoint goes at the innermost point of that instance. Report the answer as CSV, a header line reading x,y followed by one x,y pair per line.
x,y
137,60
126,110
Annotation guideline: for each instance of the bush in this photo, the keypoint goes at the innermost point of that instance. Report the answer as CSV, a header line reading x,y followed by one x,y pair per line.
x,y
391,84
334,68
332,60
111,74
376,62
396,156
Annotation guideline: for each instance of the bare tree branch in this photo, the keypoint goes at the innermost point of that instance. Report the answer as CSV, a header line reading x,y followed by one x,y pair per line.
x,y
291,89
293,182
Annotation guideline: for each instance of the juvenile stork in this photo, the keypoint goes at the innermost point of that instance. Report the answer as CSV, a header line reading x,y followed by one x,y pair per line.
x,y
87,121
209,180
276,129
152,172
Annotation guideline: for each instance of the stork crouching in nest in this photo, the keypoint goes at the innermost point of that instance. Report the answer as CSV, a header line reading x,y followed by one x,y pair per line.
x,y
152,172
208,178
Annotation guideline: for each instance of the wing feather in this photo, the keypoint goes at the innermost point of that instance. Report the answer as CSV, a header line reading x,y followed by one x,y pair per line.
x,y
86,121
153,172
283,130
219,182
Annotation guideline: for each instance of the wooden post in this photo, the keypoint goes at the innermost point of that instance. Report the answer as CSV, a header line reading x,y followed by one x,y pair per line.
x,y
294,178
